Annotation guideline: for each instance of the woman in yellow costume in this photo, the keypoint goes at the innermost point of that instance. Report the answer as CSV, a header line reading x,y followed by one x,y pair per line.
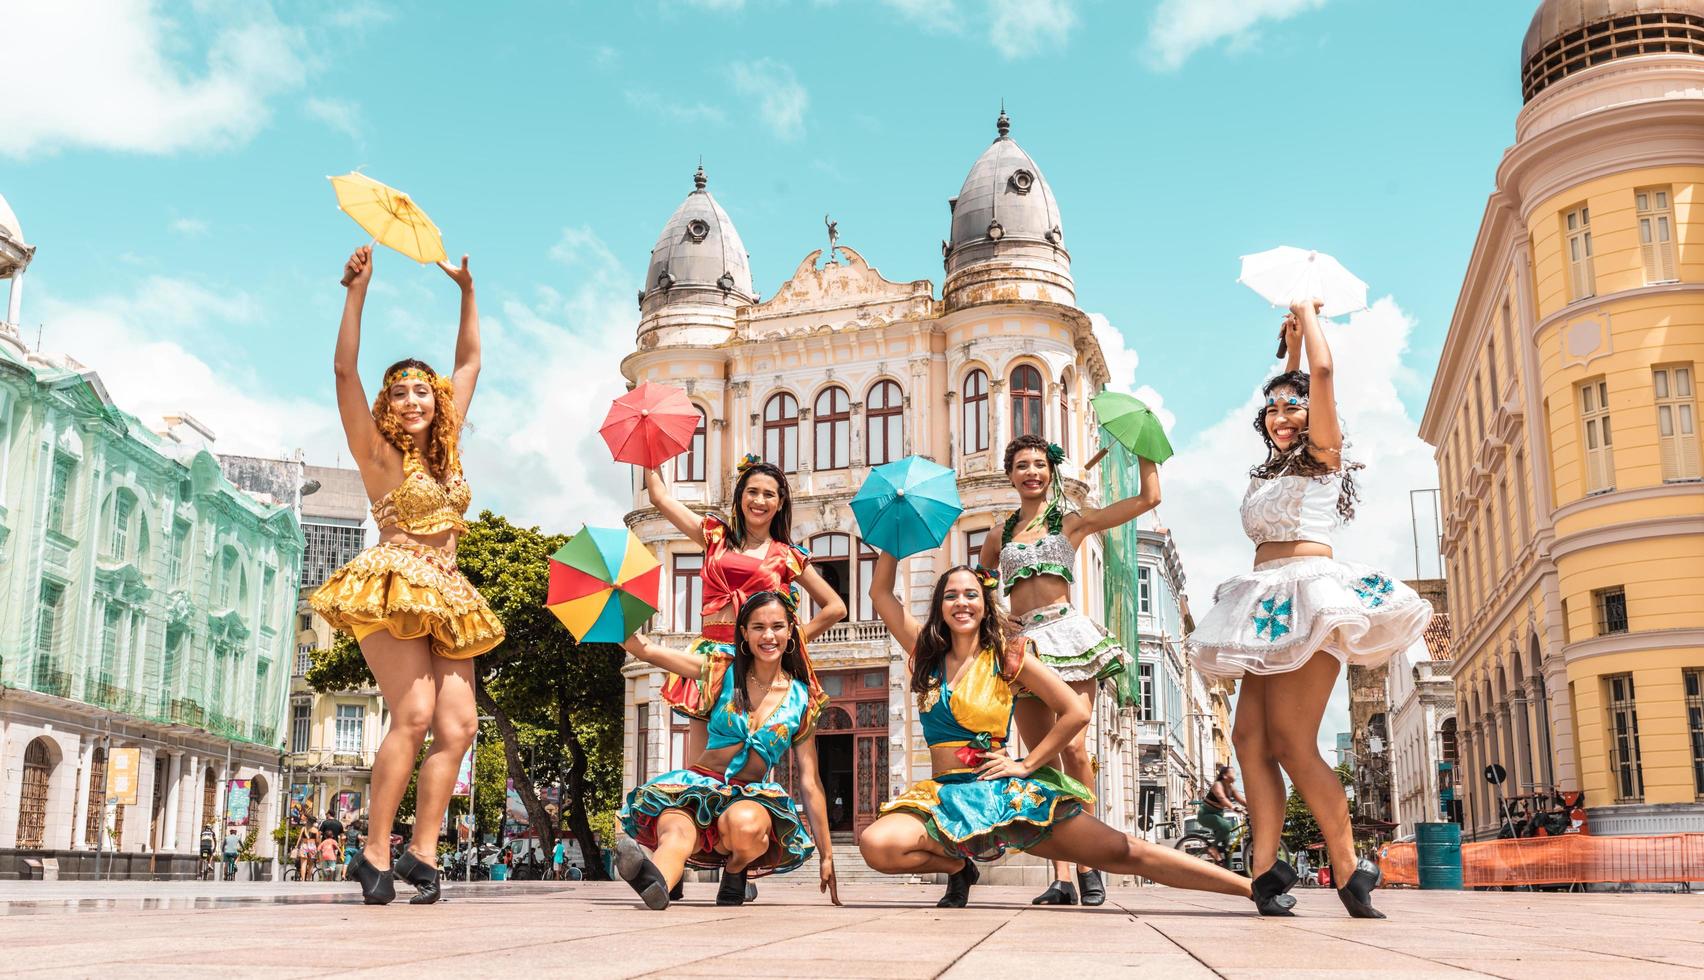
x,y
981,801
419,621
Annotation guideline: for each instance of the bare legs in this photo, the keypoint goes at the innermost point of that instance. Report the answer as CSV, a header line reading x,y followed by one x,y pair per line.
x,y
677,836
1277,724
1035,720
898,844
744,829
424,693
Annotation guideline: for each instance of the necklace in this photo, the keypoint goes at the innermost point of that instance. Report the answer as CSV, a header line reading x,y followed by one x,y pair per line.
x,y
780,683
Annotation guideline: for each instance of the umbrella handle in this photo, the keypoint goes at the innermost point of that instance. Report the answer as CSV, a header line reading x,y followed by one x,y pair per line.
x,y
348,277
1097,457
1283,347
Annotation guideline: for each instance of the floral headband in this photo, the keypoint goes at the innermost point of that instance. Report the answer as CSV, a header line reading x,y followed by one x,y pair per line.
x,y
1055,453
747,462
986,577
408,374
1290,401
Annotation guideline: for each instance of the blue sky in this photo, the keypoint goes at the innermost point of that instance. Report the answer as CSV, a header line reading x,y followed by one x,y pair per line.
x,y
171,171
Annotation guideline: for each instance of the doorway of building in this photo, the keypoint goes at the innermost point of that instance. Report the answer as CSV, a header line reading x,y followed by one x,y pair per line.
x,y
834,763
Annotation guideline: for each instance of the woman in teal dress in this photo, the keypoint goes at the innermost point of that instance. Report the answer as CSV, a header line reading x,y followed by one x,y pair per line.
x,y
982,801
722,812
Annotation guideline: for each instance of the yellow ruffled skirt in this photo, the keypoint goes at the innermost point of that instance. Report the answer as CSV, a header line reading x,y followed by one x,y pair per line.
x,y
412,591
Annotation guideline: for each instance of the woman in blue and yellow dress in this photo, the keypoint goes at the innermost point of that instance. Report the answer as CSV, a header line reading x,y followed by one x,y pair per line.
x,y
981,801
722,812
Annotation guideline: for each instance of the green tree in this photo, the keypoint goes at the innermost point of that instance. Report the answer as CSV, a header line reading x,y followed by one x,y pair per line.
x,y
555,705
1300,827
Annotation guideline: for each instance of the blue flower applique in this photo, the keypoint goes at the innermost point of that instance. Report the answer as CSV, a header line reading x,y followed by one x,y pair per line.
x,y
1276,621
1373,589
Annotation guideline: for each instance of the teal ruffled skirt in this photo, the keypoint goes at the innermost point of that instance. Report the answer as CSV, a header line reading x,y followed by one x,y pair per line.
x,y
704,796
980,819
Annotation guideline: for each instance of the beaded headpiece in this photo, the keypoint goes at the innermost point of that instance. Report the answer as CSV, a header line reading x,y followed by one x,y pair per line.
x,y
408,374
1288,401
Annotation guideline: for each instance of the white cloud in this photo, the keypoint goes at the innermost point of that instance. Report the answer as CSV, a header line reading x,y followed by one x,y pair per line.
x,y
781,100
117,75
552,367
189,226
1121,364
657,104
340,114
1182,27
1204,482
148,374
1021,28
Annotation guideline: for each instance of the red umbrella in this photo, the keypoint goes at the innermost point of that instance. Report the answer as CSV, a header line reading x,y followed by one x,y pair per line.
x,y
650,425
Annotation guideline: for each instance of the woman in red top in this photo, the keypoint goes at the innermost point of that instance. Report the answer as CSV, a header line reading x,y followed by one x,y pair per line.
x,y
748,554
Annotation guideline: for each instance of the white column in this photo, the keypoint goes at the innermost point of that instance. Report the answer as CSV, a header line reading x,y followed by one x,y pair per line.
x,y
197,768
80,812
174,795
14,308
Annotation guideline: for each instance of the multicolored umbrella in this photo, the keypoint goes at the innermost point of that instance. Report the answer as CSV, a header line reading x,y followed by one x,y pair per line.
x,y
1134,426
907,506
650,425
603,584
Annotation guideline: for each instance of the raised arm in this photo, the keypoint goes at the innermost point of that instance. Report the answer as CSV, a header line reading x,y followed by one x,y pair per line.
x,y
467,337
1325,436
887,605
352,404
988,556
677,513
1093,519
1290,335
674,661
1058,696
831,608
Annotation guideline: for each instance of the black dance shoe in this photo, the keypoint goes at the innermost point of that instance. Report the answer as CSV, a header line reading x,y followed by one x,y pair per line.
x,y
1092,887
1357,893
637,870
377,887
733,889
958,886
1268,890
424,877
678,892
1058,893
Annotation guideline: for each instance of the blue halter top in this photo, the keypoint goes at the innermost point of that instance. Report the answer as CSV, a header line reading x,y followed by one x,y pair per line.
x,y
729,726
974,709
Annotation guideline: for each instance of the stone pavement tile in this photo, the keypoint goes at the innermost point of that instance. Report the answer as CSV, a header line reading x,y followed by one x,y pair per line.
x,y
1563,964
1426,972
1080,964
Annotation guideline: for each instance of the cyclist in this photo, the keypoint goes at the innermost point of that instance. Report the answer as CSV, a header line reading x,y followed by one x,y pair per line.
x,y
207,841
233,847
1217,805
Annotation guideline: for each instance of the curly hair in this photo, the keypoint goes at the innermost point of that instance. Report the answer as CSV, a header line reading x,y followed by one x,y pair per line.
x,y
442,458
1024,442
935,639
1298,460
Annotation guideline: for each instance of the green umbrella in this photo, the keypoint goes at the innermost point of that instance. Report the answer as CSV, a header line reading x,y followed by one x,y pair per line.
x,y
1133,425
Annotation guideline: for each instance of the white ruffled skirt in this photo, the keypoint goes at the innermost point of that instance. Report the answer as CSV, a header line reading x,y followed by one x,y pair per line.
x,y
1271,620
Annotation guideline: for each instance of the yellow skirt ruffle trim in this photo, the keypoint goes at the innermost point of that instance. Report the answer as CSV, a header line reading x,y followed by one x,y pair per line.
x,y
412,591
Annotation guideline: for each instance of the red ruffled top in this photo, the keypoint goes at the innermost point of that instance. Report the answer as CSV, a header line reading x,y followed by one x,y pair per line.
x,y
730,577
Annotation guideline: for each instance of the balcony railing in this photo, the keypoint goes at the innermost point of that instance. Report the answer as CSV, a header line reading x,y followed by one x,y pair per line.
x,y
54,682
188,712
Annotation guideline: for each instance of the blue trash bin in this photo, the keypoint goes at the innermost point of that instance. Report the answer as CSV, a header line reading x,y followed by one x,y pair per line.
x,y
1438,851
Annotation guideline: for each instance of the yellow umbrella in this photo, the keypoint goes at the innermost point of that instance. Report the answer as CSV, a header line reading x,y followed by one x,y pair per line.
x,y
390,216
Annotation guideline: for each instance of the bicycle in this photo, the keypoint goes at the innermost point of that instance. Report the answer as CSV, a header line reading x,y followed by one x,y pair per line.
x,y
205,872
1235,856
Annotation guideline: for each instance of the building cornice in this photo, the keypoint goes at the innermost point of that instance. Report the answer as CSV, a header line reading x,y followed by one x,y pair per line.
x,y
1593,304
1624,531
1632,642
1614,497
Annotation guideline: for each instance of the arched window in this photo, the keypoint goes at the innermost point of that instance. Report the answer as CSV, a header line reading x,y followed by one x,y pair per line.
x,y
1447,740
781,432
833,429
1026,401
227,576
976,411
831,556
1065,415
884,435
863,610
32,798
689,466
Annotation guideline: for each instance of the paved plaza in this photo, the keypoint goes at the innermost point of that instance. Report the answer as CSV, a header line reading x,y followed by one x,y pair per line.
x,y
187,929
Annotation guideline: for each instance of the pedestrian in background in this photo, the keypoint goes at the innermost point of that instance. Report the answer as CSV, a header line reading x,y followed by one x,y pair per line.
x,y
233,845
306,852
331,857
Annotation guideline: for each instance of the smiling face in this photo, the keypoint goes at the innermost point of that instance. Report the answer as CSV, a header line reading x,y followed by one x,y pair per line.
x,y
414,405
1286,416
962,602
767,631
760,500
1030,473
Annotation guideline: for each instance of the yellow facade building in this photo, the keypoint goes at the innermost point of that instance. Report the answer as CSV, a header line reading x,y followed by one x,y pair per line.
x,y
1565,417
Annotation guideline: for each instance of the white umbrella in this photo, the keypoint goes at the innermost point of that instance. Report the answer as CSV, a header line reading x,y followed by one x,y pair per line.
x,y
1287,274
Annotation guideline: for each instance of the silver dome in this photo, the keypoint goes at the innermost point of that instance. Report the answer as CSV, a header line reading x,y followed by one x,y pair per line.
x,y
1005,197
698,247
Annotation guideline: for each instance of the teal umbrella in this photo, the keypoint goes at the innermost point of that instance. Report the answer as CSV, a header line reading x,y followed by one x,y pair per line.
x,y
907,506
1133,425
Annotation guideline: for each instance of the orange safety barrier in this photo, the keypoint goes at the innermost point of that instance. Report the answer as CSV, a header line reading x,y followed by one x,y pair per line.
x,y
1564,860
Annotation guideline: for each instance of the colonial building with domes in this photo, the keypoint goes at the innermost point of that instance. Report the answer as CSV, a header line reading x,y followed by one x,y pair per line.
x,y
1565,413
842,369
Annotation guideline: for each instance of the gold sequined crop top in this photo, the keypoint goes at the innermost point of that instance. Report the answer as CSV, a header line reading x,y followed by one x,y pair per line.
x,y
422,505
